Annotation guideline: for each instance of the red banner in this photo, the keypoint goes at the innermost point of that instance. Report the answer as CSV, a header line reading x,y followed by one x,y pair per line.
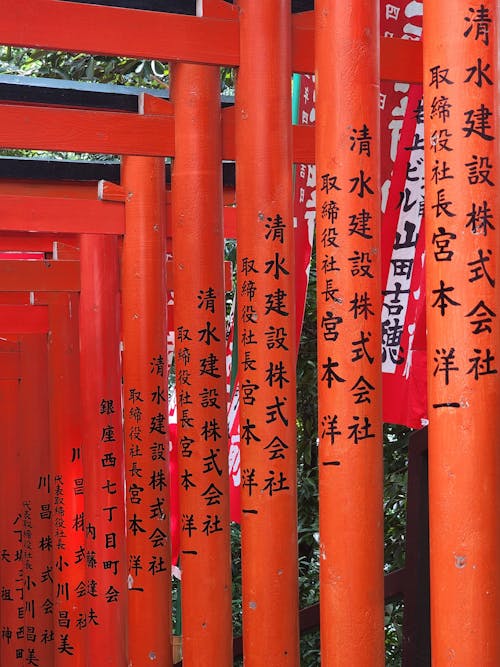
x,y
402,163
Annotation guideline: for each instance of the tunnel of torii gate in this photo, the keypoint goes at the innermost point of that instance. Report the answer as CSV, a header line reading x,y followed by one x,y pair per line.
x,y
102,264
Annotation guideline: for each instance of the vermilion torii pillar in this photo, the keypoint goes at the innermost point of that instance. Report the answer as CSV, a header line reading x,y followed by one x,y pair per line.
x,y
266,332
67,540
200,359
145,416
11,570
102,445
36,510
461,176
349,302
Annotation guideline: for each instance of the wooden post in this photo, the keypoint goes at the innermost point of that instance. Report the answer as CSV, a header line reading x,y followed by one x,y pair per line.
x,y
266,332
199,315
11,566
67,541
461,154
102,450
36,499
145,414
349,303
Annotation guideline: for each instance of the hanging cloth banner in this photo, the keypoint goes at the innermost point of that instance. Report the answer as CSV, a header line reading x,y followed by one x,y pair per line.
x,y
403,283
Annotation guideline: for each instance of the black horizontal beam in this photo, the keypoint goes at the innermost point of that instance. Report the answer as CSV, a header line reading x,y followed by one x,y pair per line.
x,y
76,170
170,6
178,6
60,92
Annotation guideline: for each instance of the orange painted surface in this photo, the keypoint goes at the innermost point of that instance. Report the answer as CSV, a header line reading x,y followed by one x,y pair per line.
x,y
44,276
10,365
61,215
461,159
52,128
144,324
266,332
31,242
200,359
212,39
48,128
86,28
23,319
70,589
302,139
102,450
349,302
51,189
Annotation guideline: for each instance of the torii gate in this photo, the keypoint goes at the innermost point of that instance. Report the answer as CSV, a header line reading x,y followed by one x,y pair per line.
x,y
459,69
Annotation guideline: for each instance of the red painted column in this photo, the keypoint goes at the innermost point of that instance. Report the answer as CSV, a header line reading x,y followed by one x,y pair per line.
x,y
266,331
66,542
36,509
102,451
349,342
199,314
145,412
461,161
11,564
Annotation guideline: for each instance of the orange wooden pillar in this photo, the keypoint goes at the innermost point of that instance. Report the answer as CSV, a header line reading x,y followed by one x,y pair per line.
x,y
461,161
349,302
66,542
36,510
199,316
102,451
266,331
145,414
11,563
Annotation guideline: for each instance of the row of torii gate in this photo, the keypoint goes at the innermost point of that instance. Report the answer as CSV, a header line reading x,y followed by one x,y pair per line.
x,y
84,496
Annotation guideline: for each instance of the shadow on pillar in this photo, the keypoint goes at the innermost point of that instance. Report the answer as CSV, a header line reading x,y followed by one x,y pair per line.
x,y
416,623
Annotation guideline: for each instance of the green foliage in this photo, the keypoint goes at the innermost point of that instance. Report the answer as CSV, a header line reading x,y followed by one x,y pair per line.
x,y
395,483
97,69
236,573
394,633
83,67
227,80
